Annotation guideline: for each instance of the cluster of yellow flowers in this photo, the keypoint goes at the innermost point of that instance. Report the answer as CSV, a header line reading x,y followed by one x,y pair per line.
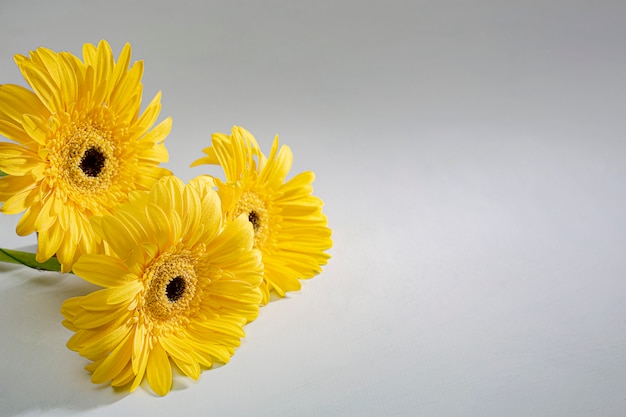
x,y
183,266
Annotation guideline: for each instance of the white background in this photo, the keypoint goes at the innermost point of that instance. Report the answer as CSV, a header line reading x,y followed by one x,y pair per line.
x,y
471,156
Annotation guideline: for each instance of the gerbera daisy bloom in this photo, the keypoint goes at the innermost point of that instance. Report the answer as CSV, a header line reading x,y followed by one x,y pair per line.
x,y
289,227
178,287
81,145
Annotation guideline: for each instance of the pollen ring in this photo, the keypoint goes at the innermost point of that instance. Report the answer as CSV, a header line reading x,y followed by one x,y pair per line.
x,y
171,286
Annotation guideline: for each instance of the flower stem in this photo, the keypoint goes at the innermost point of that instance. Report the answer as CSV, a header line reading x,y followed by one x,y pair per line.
x,y
28,259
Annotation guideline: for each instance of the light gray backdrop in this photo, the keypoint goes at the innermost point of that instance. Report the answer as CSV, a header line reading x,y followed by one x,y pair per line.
x,y
471,156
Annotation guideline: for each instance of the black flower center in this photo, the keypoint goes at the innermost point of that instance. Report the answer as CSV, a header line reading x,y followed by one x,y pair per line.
x,y
175,289
253,217
92,162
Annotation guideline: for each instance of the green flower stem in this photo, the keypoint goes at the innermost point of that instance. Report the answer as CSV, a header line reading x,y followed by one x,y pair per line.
x,y
2,174
28,259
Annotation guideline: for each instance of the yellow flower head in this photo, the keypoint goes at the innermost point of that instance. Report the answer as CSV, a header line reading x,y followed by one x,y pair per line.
x,y
80,145
178,286
289,227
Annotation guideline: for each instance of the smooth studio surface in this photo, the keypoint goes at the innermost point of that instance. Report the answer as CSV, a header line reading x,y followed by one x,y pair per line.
x,y
472,159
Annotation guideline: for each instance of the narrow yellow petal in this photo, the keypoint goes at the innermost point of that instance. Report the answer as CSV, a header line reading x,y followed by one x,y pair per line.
x,y
103,270
115,363
167,194
17,160
103,68
191,369
236,236
45,218
141,352
16,133
36,128
49,242
159,132
181,355
277,166
165,230
210,214
16,101
124,377
101,343
20,200
43,85
121,66
149,116
159,370
91,319
128,87
68,80
46,59
89,54
26,224
118,236
216,351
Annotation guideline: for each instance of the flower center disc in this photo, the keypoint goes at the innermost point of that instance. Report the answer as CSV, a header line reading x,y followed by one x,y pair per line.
x,y
175,289
85,158
92,162
170,287
258,215
254,219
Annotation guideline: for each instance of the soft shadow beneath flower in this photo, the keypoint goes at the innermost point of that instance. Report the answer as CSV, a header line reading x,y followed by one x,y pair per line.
x,y
38,371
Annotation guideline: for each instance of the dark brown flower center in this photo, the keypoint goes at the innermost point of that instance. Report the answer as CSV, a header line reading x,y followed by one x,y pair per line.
x,y
92,162
253,217
175,289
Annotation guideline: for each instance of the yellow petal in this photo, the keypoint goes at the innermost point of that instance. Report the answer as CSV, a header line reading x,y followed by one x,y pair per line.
x,y
167,194
277,166
26,224
43,85
149,116
140,348
115,363
89,54
141,352
102,270
68,80
159,132
165,230
124,377
102,71
236,236
209,216
182,355
123,62
46,217
219,352
223,325
36,128
191,369
120,237
159,370
128,91
47,59
15,101
108,298
16,133
49,242
102,342
90,319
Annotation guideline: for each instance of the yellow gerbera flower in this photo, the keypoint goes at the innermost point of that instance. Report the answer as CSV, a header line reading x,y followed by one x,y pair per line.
x,y
289,226
178,286
81,145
